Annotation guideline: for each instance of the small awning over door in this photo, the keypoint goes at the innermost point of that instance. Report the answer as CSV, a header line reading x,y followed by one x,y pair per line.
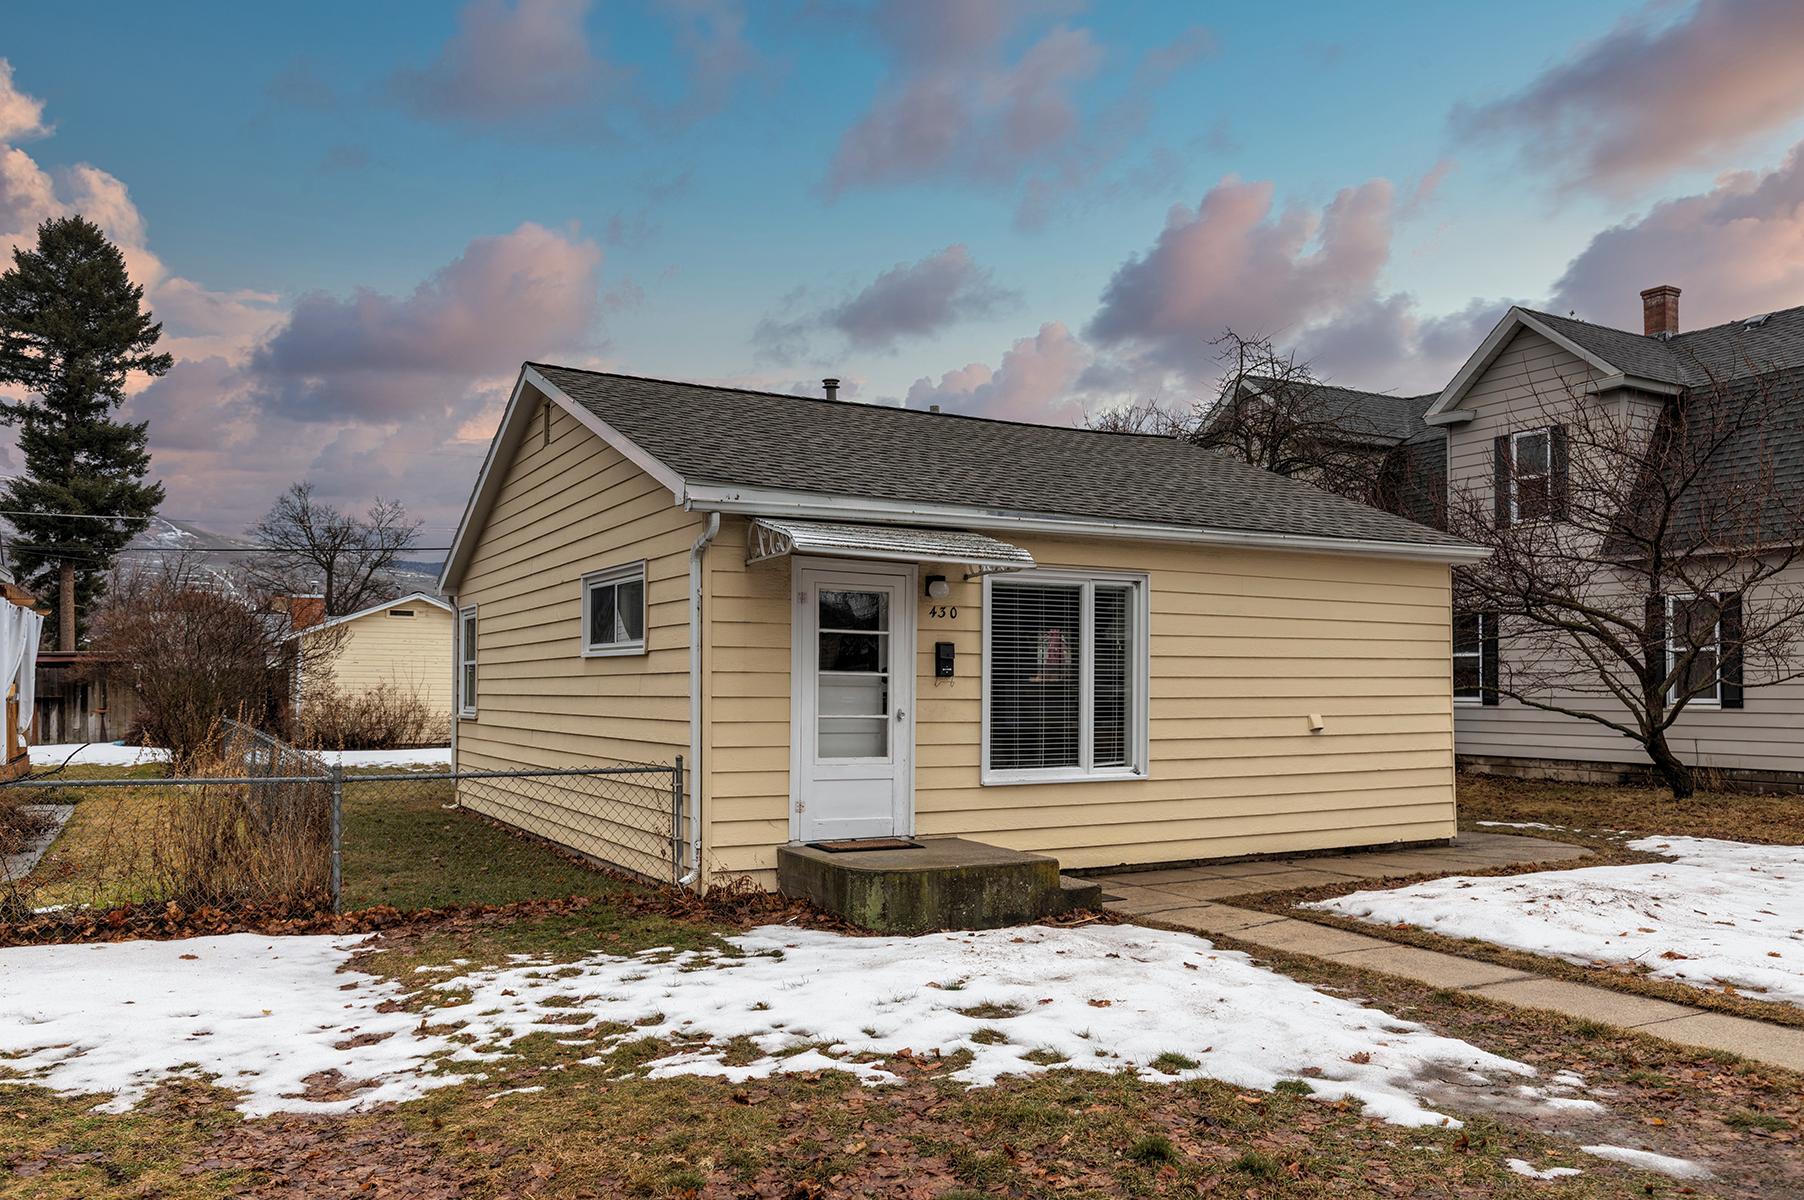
x,y
773,538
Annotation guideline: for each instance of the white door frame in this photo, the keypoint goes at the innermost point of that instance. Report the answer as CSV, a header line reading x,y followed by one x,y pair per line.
x,y
803,681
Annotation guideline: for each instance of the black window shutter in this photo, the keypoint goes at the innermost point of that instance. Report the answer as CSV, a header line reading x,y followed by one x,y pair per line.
x,y
1730,670
1657,653
1500,480
1559,467
1487,658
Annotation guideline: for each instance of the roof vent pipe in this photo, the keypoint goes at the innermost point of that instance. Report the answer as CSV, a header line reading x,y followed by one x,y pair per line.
x,y
1660,311
933,408
832,387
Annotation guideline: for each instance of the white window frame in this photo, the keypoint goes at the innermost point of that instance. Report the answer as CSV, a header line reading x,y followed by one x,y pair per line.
x,y
1516,438
466,662
1673,650
1139,750
1479,654
611,577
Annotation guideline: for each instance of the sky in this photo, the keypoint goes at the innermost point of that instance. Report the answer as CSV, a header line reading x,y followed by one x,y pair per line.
x,y
356,221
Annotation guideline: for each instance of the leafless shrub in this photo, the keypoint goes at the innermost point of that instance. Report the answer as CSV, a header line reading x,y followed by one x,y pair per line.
x,y
195,654
385,717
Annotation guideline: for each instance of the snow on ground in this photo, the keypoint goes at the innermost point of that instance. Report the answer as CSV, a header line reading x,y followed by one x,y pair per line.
x,y
1721,912
265,1013
1530,1171
95,754
1647,1160
118,754
420,756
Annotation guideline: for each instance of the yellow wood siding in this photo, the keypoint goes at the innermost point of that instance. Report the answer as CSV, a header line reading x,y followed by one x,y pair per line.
x,y
1245,644
564,510
408,654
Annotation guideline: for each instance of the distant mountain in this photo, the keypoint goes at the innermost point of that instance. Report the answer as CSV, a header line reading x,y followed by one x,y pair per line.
x,y
220,557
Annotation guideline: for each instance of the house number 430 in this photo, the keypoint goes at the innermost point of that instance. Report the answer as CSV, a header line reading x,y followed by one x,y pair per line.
x,y
943,611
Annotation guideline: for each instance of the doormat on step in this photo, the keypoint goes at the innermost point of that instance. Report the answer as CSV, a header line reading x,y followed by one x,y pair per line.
x,y
842,847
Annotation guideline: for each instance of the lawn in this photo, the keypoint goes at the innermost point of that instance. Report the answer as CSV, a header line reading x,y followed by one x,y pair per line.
x,y
576,1116
1580,809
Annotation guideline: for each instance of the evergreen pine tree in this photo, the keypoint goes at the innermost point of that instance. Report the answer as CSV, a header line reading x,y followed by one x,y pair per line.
x,y
72,328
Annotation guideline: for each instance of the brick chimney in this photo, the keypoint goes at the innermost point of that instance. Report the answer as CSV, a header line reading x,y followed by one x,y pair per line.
x,y
304,612
1660,311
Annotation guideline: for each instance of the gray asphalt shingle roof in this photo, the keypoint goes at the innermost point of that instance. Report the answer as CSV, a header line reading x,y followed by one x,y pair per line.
x,y
1375,416
732,437
1733,350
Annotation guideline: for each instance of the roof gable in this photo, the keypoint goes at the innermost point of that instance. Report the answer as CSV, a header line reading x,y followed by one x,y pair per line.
x,y
410,598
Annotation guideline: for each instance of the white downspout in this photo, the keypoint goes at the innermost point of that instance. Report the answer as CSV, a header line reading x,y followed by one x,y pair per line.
x,y
694,770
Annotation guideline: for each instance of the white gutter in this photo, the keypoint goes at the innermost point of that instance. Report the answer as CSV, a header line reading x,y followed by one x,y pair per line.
x,y
693,773
704,498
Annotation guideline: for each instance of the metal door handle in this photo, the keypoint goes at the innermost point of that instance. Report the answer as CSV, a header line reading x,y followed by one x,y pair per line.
x,y
900,714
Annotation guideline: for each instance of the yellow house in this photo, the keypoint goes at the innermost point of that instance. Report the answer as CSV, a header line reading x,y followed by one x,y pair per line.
x,y
403,644
857,621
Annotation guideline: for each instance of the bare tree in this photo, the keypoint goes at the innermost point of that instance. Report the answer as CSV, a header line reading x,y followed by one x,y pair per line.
x,y
1644,556
1271,411
313,547
196,653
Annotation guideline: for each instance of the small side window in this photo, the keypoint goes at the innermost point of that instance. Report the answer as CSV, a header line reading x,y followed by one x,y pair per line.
x,y
466,661
400,612
614,611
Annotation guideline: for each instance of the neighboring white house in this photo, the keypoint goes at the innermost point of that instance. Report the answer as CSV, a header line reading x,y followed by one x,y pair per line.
x,y
403,644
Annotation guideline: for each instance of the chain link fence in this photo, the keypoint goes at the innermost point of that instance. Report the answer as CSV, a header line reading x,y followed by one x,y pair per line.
x,y
267,825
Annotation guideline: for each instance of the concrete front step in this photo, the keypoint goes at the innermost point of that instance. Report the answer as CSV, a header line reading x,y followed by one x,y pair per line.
x,y
948,883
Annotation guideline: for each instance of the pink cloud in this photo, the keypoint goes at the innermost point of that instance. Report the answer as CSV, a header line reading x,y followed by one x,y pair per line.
x,y
918,299
1736,250
507,62
955,104
21,116
1649,98
1033,382
378,358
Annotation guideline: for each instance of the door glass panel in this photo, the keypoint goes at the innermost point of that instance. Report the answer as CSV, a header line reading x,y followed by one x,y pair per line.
x,y
854,737
854,651
854,610
852,675
854,695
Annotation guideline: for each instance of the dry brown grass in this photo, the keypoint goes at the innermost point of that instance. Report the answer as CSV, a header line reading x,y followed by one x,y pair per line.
x,y
1736,816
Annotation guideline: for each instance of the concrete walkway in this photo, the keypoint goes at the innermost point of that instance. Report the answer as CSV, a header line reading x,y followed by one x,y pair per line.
x,y
1192,898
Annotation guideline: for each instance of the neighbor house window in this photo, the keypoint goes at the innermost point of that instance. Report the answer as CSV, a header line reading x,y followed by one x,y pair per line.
x,y
614,611
1475,657
1531,474
466,661
1694,626
1065,677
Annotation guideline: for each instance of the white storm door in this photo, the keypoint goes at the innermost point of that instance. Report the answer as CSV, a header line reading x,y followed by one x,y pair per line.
x,y
852,723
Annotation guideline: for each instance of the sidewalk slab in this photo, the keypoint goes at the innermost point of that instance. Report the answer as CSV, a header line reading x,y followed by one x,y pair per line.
x,y
1218,918
1586,1002
1306,937
1142,902
1431,967
1780,1045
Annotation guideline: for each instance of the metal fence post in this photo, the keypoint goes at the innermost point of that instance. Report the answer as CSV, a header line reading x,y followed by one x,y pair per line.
x,y
338,826
676,822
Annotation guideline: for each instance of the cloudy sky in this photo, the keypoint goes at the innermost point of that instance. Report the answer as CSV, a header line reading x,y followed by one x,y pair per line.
x,y
355,221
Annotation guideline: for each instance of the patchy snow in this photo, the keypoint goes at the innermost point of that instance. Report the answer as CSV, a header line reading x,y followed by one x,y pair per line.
x,y
1529,1170
261,1013
264,1014
1647,1160
420,756
118,754
95,754
1519,825
1720,913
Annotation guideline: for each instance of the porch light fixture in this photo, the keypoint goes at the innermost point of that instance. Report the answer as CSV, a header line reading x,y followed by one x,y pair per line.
x,y
937,587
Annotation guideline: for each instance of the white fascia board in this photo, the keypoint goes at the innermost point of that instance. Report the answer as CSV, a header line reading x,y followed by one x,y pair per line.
x,y
1445,410
507,439
814,506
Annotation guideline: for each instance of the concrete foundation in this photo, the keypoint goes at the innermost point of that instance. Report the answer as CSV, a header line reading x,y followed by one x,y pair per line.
x,y
949,883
